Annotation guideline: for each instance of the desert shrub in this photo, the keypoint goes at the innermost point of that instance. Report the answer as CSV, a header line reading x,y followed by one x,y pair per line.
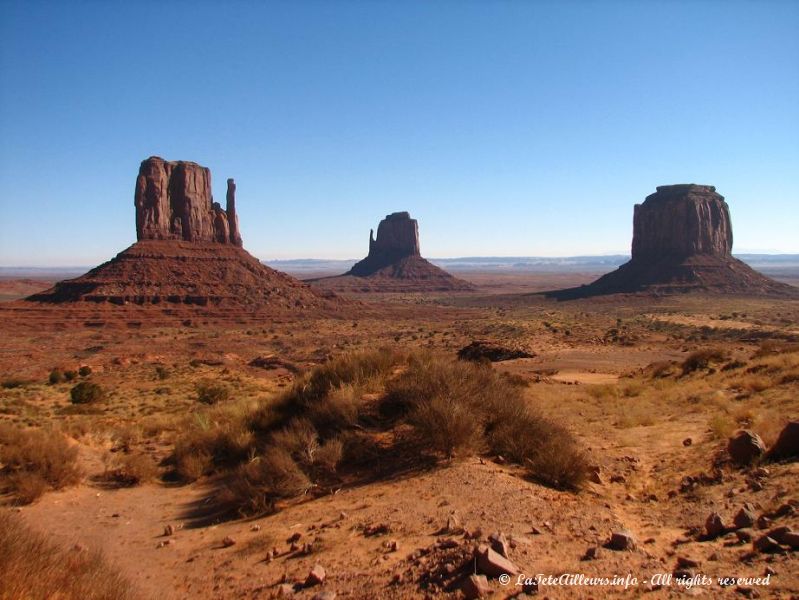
x,y
206,448
255,486
660,369
56,376
702,359
463,408
85,371
131,469
70,375
212,393
86,392
772,347
33,568
15,382
324,428
33,461
161,372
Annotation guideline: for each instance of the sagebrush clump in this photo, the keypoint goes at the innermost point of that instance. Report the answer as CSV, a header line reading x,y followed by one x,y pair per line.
x,y
33,461
322,432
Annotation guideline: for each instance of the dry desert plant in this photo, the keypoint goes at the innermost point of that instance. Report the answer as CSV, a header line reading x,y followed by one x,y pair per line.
x,y
33,461
32,568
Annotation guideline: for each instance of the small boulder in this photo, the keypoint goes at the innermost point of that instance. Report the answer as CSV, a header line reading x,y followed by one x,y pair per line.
x,y
791,539
745,535
475,586
714,526
766,544
745,517
228,541
592,553
787,444
621,540
169,530
285,590
499,543
492,563
745,447
316,576
779,533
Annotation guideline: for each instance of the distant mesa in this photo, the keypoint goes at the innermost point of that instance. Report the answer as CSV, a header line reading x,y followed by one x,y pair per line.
x,y
189,252
682,242
395,263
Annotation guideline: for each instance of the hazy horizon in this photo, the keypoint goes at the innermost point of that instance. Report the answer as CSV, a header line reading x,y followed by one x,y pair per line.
x,y
506,129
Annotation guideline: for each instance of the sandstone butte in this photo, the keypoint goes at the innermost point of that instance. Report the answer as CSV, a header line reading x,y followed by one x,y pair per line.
x,y
189,252
395,263
682,242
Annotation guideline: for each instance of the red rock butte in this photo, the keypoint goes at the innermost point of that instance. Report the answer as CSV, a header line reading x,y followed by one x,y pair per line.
x,y
395,263
682,242
189,252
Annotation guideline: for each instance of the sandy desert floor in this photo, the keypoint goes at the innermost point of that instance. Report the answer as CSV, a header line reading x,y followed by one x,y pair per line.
x,y
609,369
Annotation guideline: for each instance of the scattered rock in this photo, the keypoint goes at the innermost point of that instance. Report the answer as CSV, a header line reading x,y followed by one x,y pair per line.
x,y
453,526
492,563
169,530
763,522
714,526
779,533
687,442
683,562
326,595
621,540
745,535
499,543
476,586
316,576
285,590
295,537
791,539
787,444
766,544
228,541
745,447
592,553
745,517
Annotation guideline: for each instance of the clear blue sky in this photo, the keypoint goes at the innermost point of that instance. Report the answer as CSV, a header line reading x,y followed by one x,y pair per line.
x,y
506,128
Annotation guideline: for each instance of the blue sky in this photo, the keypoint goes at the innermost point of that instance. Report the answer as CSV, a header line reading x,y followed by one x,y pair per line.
x,y
506,128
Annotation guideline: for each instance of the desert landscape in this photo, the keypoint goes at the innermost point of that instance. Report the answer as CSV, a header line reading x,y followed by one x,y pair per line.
x,y
244,400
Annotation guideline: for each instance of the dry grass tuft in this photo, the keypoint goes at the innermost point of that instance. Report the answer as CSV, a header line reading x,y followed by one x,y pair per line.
x,y
33,461
31,568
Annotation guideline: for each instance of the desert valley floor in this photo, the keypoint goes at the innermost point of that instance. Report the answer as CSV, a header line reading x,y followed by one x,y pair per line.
x,y
651,388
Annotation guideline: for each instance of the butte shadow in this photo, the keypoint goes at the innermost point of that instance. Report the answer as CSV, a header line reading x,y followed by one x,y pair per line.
x,y
189,252
682,242
394,264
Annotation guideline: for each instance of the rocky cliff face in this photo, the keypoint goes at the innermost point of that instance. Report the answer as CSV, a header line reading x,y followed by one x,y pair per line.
x,y
397,237
173,202
682,242
680,221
